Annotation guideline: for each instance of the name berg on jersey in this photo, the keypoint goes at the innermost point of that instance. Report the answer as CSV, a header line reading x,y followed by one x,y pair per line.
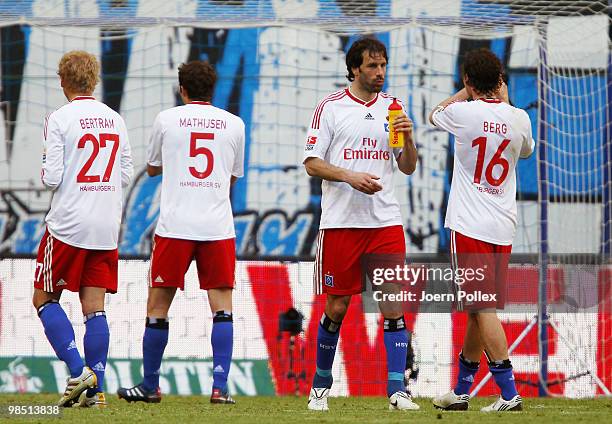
x,y
103,123
494,127
369,151
218,124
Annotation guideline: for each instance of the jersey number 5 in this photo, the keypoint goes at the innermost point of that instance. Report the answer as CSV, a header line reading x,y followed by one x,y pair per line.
x,y
194,151
82,177
497,159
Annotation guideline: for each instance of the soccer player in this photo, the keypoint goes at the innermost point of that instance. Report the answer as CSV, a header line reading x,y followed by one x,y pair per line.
x,y
348,147
200,149
490,137
86,162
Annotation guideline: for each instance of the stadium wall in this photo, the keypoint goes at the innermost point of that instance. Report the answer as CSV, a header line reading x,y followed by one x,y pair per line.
x,y
262,363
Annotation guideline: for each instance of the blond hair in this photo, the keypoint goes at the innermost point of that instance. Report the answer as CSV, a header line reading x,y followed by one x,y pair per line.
x,y
79,71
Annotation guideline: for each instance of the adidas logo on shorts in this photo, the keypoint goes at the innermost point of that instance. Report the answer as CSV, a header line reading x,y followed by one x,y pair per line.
x,y
60,282
159,279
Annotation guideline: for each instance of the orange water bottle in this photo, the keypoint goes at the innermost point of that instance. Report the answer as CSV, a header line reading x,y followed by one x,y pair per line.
x,y
396,138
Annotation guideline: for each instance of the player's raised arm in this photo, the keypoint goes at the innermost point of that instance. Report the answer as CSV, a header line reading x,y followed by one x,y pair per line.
x,y
459,96
53,156
502,93
528,142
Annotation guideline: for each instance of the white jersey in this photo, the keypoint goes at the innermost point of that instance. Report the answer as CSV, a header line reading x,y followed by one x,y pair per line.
x,y
351,134
87,161
490,137
199,147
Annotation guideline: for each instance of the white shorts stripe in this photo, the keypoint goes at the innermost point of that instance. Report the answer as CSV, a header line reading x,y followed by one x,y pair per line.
x,y
318,279
44,267
50,265
315,279
316,265
455,265
453,251
47,284
151,263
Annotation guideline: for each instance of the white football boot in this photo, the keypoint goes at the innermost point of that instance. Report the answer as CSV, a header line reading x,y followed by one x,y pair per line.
x,y
514,404
76,386
402,401
317,400
452,402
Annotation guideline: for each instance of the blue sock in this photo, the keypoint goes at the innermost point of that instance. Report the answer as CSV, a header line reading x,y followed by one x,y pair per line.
x,y
153,345
502,373
396,346
222,341
465,379
327,340
96,342
60,334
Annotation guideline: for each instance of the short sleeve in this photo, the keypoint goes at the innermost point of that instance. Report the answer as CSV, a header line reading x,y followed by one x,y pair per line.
x,y
320,132
238,167
445,118
53,153
528,145
154,149
127,166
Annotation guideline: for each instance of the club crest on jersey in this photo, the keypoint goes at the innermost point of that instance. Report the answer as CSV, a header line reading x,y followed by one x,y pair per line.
x,y
369,117
329,280
310,142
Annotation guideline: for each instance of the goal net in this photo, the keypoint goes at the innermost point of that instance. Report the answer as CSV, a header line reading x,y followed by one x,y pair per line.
x,y
276,60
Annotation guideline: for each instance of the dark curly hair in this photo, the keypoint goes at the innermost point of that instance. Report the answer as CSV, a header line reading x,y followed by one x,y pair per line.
x,y
483,70
354,57
198,79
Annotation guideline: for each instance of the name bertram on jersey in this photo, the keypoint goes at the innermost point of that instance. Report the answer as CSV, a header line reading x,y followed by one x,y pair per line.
x,y
102,123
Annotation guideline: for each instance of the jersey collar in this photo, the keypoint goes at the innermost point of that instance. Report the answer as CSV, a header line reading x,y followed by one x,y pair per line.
x,y
489,100
83,98
199,102
358,100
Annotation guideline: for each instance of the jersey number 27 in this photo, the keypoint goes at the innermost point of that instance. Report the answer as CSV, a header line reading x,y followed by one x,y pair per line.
x,y
82,177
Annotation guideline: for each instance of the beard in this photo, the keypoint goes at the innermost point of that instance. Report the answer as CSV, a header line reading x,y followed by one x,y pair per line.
x,y
372,87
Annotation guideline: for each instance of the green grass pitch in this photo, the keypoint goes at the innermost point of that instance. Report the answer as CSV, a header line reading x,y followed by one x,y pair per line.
x,y
285,410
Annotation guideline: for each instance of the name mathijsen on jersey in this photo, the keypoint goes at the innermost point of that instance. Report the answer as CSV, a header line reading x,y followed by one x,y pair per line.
x,y
218,124
368,151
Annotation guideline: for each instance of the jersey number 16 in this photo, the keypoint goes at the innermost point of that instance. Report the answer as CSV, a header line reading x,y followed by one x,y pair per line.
x,y
497,159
